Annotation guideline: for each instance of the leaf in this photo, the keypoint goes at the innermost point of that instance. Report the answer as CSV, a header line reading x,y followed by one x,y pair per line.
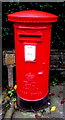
x,y
7,97
53,108
7,105
36,116
15,105
15,87
60,92
14,99
64,99
12,90
62,102
51,94
9,92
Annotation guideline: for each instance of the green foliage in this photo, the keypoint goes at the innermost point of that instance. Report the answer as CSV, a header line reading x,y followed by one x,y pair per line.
x,y
7,105
14,99
55,81
57,8
56,77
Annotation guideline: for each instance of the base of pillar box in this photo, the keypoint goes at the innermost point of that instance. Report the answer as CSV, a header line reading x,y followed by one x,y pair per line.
x,y
32,105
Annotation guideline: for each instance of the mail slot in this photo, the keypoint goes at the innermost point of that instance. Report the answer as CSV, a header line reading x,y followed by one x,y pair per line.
x,y
32,35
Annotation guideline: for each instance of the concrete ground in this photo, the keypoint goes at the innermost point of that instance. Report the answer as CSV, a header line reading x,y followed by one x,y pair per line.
x,y
56,99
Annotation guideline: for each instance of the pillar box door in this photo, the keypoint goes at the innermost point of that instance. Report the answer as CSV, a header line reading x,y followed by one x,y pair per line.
x,y
32,34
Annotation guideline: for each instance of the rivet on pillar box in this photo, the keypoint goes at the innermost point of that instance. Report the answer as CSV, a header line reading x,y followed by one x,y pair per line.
x,y
32,35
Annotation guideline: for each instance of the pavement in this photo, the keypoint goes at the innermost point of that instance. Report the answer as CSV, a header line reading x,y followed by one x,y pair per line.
x,y
0,103
56,99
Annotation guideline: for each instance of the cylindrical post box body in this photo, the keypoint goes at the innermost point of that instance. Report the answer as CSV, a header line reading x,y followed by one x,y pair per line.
x,y
32,34
32,48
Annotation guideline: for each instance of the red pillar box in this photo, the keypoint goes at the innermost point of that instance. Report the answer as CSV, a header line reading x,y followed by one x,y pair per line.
x,y
32,34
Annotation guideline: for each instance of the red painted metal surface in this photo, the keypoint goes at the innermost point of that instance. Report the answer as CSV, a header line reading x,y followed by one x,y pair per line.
x,y
29,16
32,47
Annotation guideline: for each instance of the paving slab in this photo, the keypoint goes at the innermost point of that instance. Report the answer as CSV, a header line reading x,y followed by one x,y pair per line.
x,y
56,93
0,112
56,101
19,114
